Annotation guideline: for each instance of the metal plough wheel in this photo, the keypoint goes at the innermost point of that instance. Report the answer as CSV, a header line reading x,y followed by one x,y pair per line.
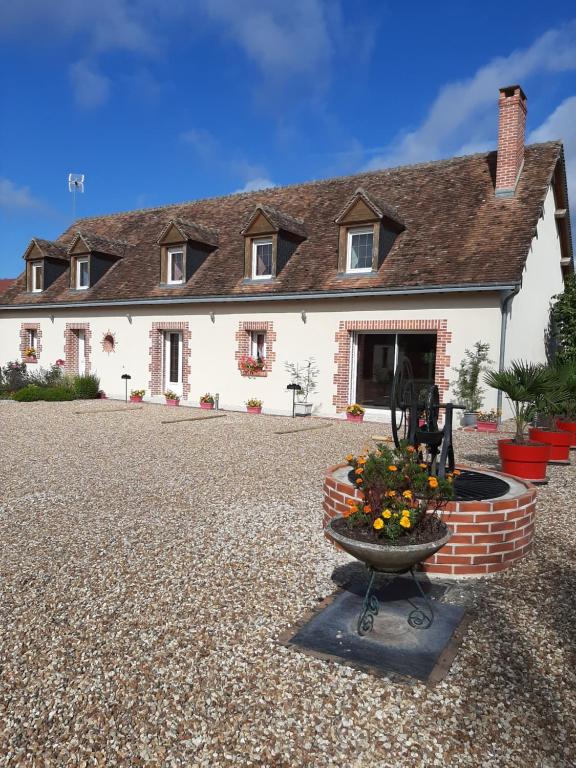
x,y
403,394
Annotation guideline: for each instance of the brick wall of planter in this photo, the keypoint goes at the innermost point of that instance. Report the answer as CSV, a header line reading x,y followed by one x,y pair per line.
x,y
489,536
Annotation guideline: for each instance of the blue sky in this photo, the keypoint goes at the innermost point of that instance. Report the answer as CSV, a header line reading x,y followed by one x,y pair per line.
x,y
163,101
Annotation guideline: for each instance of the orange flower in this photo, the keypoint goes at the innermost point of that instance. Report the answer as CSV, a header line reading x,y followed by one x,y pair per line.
x,y
359,470
349,457
411,449
351,503
358,480
407,494
433,482
362,460
348,512
457,472
391,494
367,509
424,466
393,468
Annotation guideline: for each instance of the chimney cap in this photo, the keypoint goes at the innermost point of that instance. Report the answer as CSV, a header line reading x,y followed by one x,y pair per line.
x,y
510,90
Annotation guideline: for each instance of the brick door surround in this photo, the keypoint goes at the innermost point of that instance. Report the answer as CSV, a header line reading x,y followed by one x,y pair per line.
x,y
343,338
71,347
156,350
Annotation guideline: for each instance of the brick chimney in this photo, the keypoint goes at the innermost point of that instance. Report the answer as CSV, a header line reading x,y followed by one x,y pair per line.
x,y
511,132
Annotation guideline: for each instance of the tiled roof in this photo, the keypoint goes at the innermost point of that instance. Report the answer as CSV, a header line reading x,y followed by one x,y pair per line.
x,y
192,232
457,232
98,242
380,208
5,283
49,249
278,219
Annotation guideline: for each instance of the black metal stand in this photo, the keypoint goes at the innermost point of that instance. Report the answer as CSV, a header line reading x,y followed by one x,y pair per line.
x,y
417,618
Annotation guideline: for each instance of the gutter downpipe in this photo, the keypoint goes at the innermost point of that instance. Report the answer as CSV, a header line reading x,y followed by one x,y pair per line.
x,y
504,305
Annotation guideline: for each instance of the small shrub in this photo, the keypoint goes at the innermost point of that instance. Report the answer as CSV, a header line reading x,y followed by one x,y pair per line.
x,y
33,393
86,387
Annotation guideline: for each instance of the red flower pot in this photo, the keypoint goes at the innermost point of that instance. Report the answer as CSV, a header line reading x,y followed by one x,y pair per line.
x,y
173,403
528,461
568,426
487,426
558,440
135,398
207,406
355,416
254,408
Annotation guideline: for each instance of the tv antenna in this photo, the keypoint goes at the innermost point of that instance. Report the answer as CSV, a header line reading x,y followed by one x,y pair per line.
x,y
75,184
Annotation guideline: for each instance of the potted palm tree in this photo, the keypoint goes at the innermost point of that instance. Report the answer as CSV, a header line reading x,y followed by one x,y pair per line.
x,y
524,384
466,388
566,414
555,403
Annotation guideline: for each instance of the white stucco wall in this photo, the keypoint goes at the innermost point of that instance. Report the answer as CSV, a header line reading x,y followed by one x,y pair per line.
x,y
542,279
469,317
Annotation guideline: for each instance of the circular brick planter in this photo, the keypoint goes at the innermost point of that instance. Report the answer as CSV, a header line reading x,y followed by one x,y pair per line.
x,y
489,536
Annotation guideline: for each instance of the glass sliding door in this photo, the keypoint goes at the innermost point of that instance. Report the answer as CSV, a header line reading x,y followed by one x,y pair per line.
x,y
378,354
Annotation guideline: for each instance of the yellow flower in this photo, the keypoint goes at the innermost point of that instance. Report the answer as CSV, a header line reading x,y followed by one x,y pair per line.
x,y
405,512
362,460
407,494
349,457
424,466
387,514
391,494
393,468
405,522
433,482
378,523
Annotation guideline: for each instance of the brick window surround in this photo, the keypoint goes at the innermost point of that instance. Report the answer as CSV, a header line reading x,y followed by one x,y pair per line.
x,y
156,365
243,335
25,338
71,347
344,341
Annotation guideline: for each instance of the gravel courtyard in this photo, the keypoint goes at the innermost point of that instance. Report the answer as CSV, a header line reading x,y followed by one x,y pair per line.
x,y
147,570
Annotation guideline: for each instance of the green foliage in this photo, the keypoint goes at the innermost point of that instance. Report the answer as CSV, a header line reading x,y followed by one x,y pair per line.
x,y
13,376
525,386
32,393
46,378
305,374
86,387
562,327
564,401
467,388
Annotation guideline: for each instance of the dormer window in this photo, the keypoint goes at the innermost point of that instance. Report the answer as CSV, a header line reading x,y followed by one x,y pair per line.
x,y
262,258
359,257
37,276
175,266
82,274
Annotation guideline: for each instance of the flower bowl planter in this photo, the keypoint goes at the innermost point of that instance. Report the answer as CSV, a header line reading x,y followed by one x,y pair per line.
x,y
302,409
358,417
469,420
570,427
528,461
558,440
386,558
487,426
254,408
173,403
207,406
135,398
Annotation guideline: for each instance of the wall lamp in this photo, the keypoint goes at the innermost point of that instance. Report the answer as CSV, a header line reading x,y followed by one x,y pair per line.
x,y
303,316
212,317
129,318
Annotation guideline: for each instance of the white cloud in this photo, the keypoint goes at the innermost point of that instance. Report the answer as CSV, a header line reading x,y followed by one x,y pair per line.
x,y
90,88
462,117
14,197
561,124
206,146
253,185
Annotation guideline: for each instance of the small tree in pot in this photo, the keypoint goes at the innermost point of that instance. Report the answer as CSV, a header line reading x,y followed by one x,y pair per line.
x,y
524,384
563,413
305,375
467,387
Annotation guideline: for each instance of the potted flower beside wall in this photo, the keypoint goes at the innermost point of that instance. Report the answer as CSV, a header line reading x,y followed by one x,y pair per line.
x,y
136,395
355,412
566,413
207,402
559,402
305,375
487,421
466,388
30,355
172,398
523,384
254,405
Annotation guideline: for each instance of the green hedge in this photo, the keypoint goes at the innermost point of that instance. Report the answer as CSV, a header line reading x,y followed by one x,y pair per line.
x,y
86,387
32,393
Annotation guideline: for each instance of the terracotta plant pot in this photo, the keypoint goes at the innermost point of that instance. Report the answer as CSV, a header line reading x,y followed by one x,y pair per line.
x,y
135,398
386,558
207,406
568,426
558,440
355,417
487,426
173,403
254,408
528,461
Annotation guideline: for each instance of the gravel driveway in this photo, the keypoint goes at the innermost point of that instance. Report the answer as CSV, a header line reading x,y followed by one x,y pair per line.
x,y
147,569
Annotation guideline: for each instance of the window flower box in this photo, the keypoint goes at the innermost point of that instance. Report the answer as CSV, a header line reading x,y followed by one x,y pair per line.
x,y
252,366
30,355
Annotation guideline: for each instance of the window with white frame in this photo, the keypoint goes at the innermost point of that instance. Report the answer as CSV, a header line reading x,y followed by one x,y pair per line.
x,y
261,258
37,276
359,250
258,345
175,266
82,274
